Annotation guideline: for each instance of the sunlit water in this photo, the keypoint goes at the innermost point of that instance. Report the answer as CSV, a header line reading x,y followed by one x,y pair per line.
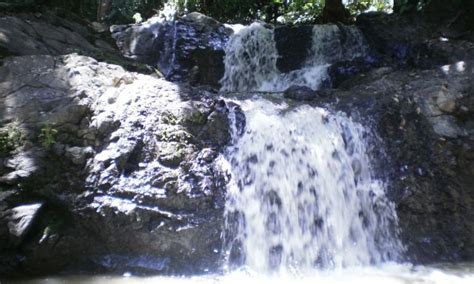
x,y
251,58
303,193
386,274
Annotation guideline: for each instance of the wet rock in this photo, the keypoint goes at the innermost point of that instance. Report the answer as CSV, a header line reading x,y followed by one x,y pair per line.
x,y
418,116
342,71
447,106
292,56
127,149
21,219
403,39
190,48
446,126
27,34
300,93
22,165
78,155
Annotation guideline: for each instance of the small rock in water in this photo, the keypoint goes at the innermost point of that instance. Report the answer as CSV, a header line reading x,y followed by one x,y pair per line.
x,y
300,93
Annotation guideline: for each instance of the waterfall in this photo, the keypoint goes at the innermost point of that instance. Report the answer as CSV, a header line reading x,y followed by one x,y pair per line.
x,y
251,57
303,193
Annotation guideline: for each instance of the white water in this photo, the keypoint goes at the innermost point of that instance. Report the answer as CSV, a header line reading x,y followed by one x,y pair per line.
x,y
386,274
251,58
302,193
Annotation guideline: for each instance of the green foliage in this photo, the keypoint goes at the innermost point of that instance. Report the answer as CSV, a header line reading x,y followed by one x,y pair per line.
x,y
359,6
11,137
285,11
301,11
124,11
47,136
231,11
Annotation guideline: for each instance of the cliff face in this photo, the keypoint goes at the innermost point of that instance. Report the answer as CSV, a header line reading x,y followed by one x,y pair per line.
x,y
120,166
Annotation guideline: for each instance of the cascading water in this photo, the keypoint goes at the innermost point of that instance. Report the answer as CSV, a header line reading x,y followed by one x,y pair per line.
x,y
302,193
251,57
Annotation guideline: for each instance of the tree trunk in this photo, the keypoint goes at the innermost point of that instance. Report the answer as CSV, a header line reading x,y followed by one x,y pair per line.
x,y
335,12
403,6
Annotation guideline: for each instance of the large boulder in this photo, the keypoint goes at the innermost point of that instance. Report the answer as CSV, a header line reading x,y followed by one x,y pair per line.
x,y
416,41
123,164
189,48
48,33
300,93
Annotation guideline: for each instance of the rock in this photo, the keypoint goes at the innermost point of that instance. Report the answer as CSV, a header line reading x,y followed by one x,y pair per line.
x,y
292,56
432,193
194,42
22,218
79,155
446,126
447,106
300,93
342,71
135,154
26,35
410,40
23,165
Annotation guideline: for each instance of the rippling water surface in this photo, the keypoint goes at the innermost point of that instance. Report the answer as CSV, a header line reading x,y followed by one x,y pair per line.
x,y
386,274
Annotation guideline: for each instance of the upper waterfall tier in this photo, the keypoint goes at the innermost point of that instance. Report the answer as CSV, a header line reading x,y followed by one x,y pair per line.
x,y
252,55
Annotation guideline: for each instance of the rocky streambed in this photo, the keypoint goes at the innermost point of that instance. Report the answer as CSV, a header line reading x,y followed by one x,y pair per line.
x,y
104,170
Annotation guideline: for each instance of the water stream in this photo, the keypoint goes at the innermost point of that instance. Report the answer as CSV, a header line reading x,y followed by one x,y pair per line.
x,y
302,193
251,57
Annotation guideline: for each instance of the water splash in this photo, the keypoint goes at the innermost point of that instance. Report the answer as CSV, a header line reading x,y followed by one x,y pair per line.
x,y
250,60
251,57
302,193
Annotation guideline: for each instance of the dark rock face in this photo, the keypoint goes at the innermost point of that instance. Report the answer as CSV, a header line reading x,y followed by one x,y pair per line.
x,y
403,40
122,163
422,120
342,71
293,45
190,48
48,33
300,93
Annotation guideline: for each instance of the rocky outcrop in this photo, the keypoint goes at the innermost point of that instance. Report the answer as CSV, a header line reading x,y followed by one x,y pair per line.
x,y
123,166
293,56
424,122
56,32
422,112
300,93
47,33
415,41
190,48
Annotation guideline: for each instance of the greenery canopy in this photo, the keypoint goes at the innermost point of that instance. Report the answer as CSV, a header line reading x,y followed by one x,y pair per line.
x,y
285,11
